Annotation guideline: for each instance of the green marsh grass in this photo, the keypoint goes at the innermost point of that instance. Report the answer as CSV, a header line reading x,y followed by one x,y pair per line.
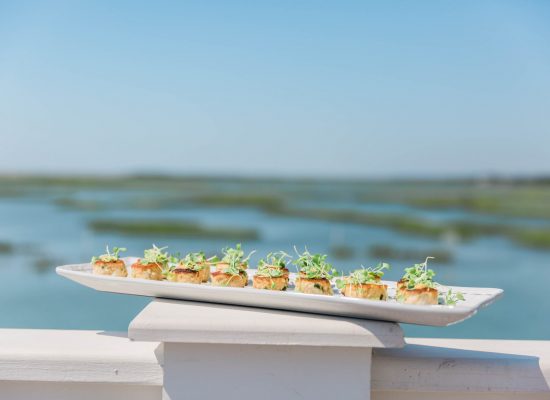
x,y
79,205
342,251
529,201
535,238
528,198
465,230
6,248
171,228
387,252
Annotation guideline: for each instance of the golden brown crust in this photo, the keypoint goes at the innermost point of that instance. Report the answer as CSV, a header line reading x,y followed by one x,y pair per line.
x,y
313,286
371,291
187,276
420,295
220,266
205,273
147,271
111,268
269,283
220,278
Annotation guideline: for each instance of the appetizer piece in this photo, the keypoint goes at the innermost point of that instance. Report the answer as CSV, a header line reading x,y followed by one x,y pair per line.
x,y
272,273
314,274
231,270
190,269
205,272
152,266
365,283
109,263
417,285
168,269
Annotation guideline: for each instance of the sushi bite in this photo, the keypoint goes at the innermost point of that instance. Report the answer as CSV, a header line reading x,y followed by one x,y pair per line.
x,y
110,263
314,274
153,264
231,270
272,273
417,285
365,283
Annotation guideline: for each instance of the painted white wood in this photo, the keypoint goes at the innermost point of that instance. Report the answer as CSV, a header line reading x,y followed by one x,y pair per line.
x,y
18,390
49,364
465,369
251,372
458,395
77,356
437,315
191,322
213,351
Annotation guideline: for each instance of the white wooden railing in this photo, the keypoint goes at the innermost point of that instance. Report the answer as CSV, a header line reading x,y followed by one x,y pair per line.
x,y
186,350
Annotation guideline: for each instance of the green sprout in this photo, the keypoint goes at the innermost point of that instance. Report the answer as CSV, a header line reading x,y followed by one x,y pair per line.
x,y
235,259
363,275
451,298
314,266
155,255
419,275
169,267
272,266
270,271
108,256
194,261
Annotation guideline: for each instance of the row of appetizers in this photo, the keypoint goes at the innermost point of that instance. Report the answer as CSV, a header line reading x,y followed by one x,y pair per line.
x,y
315,274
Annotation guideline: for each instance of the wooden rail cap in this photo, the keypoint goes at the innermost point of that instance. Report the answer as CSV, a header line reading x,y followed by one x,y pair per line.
x,y
42,355
191,322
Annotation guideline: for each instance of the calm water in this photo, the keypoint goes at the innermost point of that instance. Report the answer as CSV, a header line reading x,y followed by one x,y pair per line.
x,y
45,235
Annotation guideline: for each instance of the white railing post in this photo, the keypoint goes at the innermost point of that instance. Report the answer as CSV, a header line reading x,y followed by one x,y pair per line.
x,y
213,350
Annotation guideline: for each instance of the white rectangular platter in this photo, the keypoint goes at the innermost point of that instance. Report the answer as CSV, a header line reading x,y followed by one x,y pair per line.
x,y
391,310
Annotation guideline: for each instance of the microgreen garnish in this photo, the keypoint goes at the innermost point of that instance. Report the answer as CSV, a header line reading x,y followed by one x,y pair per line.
x,y
169,267
213,259
155,255
108,256
419,275
314,266
273,264
235,259
363,275
194,261
451,298
276,259
270,271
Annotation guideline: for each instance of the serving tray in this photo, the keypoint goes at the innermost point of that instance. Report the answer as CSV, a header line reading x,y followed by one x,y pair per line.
x,y
391,310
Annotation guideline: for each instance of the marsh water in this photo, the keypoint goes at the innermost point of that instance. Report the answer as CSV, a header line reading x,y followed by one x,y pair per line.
x,y
42,233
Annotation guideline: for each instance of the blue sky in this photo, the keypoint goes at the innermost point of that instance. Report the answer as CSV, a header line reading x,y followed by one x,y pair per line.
x,y
299,88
